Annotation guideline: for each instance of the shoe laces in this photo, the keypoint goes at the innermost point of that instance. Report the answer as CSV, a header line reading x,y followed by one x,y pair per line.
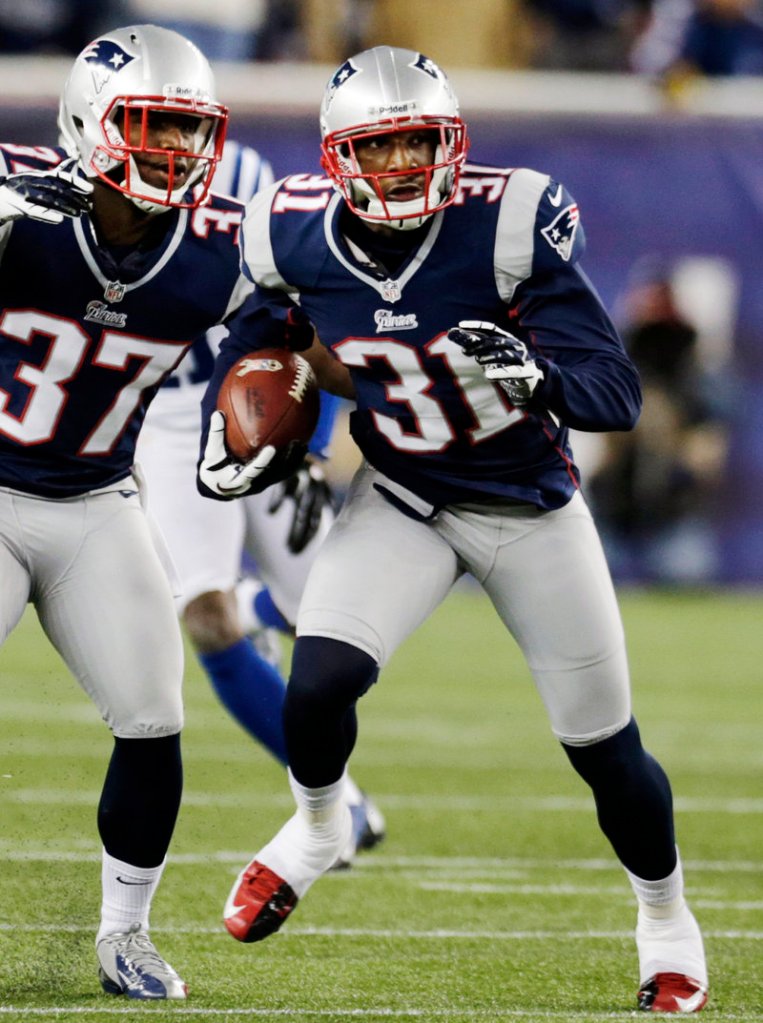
x,y
138,951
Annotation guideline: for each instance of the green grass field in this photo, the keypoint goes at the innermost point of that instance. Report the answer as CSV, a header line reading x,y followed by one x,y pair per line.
x,y
494,896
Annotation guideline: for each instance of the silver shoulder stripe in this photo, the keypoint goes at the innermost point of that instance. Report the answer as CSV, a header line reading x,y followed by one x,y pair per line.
x,y
515,229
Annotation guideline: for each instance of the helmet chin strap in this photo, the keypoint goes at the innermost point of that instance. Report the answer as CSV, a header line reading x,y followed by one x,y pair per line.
x,y
148,205
397,215
391,214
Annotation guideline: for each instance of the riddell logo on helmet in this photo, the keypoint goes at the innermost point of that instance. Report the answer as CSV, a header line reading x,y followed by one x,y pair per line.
x,y
184,92
409,106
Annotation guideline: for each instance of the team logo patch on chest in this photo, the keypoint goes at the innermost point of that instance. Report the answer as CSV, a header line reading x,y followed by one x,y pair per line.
x,y
99,312
560,233
386,320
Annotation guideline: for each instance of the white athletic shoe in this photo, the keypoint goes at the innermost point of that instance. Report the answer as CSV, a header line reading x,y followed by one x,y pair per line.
x,y
672,968
130,965
368,829
268,888
267,643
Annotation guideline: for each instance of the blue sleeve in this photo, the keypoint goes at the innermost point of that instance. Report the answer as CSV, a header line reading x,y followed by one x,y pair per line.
x,y
321,439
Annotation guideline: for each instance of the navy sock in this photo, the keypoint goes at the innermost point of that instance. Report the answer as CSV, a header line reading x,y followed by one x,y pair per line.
x,y
633,801
251,690
140,799
328,677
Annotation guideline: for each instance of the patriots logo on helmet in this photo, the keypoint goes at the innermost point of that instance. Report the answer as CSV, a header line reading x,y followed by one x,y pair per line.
x,y
427,65
105,57
343,74
107,53
560,233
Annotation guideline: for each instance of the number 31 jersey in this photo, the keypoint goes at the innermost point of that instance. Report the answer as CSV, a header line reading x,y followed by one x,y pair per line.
x,y
505,252
85,342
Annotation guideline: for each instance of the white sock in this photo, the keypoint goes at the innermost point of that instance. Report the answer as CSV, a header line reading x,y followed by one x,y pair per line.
x,y
661,899
127,893
668,937
352,793
246,590
310,841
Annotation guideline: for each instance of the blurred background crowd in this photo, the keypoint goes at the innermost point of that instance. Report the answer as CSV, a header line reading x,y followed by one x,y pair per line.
x,y
672,208
669,39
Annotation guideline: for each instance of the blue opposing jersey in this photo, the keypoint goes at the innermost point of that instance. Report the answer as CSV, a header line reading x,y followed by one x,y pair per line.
x,y
505,252
85,343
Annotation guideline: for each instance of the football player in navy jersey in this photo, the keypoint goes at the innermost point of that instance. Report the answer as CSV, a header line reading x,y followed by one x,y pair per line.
x,y
114,257
449,301
233,621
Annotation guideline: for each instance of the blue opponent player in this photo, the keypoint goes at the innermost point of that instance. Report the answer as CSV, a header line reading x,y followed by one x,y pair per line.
x,y
112,263
232,621
449,301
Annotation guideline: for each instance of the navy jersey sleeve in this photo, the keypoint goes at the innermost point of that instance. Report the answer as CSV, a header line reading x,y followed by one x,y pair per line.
x,y
590,382
269,316
267,319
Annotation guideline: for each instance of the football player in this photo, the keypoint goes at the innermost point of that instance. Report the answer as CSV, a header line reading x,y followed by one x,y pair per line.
x,y
449,300
115,256
280,530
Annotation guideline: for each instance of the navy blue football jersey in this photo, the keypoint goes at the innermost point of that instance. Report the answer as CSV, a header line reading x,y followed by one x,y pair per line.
x,y
507,252
86,340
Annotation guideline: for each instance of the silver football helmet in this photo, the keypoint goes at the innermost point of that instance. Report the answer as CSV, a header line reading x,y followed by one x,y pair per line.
x,y
383,90
123,83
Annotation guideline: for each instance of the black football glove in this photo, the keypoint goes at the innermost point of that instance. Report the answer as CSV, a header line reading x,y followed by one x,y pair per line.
x,y
310,492
48,196
504,358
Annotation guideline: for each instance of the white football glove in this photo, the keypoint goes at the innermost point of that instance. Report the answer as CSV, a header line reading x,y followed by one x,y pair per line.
x,y
48,196
221,473
504,358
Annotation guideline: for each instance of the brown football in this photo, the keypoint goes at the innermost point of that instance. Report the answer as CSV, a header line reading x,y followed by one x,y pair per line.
x,y
269,397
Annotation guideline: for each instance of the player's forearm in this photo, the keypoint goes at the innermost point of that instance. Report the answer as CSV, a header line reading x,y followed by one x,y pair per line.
x,y
332,375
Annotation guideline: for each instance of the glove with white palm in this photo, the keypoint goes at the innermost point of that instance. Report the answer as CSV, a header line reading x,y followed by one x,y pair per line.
x,y
504,358
48,196
223,475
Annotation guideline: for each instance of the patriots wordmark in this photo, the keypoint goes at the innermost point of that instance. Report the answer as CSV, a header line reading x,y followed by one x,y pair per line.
x,y
386,320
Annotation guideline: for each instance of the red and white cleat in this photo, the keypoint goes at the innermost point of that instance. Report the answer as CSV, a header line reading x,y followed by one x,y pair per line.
x,y
672,992
258,903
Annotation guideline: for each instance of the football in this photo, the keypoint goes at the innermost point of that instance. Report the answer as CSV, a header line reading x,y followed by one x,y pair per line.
x,y
269,397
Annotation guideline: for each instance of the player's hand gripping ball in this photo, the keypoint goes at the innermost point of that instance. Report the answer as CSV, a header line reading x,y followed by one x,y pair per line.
x,y
269,397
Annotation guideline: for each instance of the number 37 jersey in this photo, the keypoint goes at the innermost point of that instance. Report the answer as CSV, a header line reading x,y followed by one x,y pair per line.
x,y
85,342
505,252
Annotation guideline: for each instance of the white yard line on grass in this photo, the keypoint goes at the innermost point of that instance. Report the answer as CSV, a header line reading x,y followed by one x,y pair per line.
x,y
425,803
380,1013
436,934
89,852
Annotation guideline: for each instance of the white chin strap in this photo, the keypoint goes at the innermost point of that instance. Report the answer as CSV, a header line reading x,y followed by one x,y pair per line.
x,y
154,200
392,213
